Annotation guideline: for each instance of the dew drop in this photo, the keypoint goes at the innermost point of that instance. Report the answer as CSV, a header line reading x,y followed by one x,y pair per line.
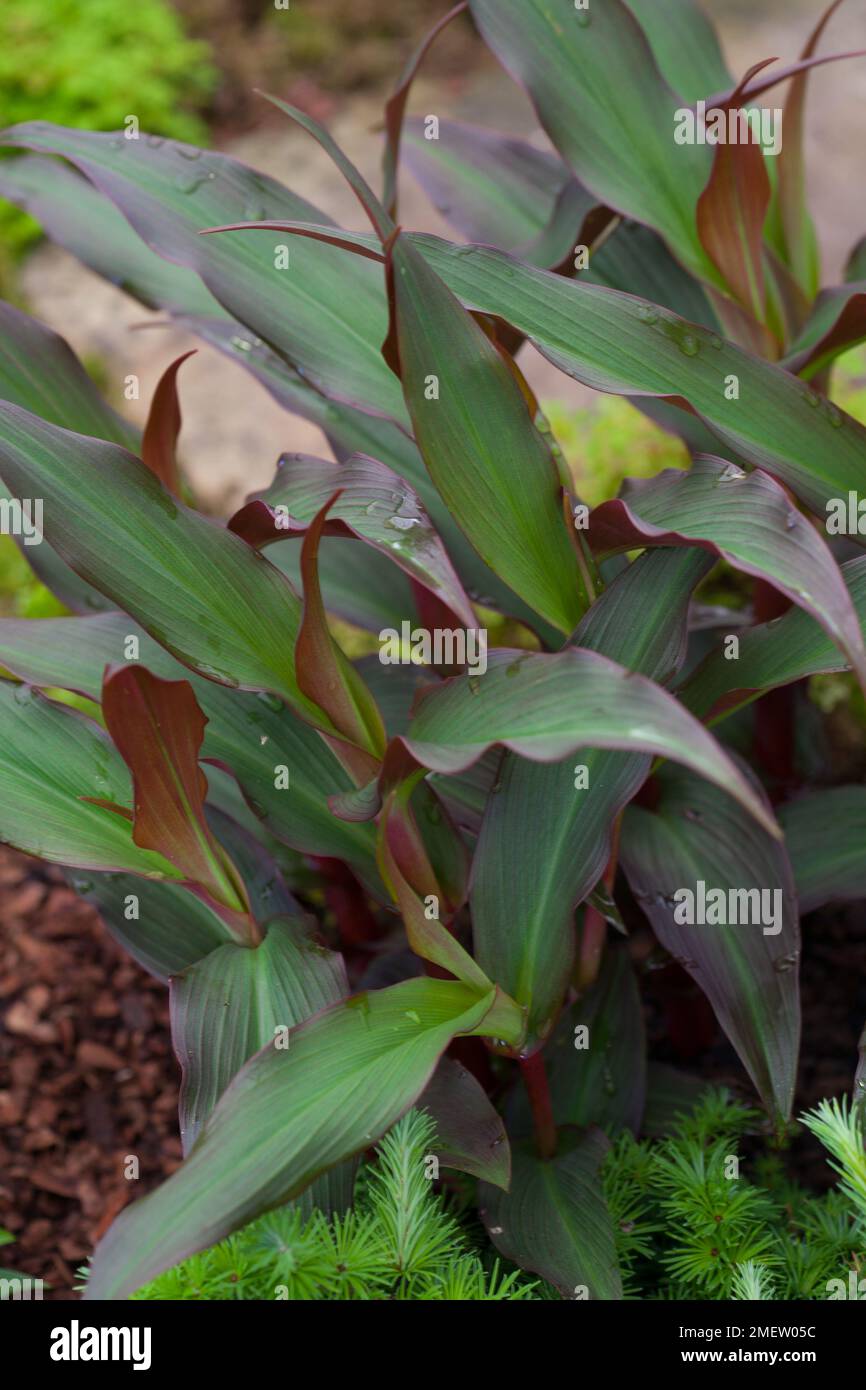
x,y
403,523
269,699
188,152
647,314
688,345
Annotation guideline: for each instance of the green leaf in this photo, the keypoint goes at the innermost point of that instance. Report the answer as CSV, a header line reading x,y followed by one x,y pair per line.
x,y
526,887
554,1219
750,977
358,583
491,466
470,1135
620,344
836,323
601,98
603,1081
685,46
374,504
53,760
236,1001
80,218
40,372
213,602
545,706
171,928
255,736
825,831
493,188
346,1077
322,313
771,654
748,520
77,216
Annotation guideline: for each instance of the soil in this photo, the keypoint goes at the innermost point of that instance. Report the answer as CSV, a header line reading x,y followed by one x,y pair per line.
x,y
88,1078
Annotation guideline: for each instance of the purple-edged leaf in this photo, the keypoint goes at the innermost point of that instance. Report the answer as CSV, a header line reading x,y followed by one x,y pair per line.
x,y
289,1115
158,728
374,504
40,372
621,344
546,706
855,267
238,1000
163,927
491,466
211,600
525,888
775,653
75,215
743,945
554,1219
601,98
283,767
599,1077
825,833
250,850
748,520
492,188
56,763
159,441
324,312
837,322
470,1135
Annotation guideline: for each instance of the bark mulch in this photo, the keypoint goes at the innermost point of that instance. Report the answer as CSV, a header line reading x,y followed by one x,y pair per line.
x,y
87,1076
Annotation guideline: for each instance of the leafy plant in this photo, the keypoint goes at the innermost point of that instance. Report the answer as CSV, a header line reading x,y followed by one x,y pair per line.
x,y
353,871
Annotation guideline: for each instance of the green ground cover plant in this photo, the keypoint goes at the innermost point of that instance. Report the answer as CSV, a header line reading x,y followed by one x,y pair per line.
x,y
399,879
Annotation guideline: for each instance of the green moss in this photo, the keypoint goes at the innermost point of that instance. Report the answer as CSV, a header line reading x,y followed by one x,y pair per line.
x,y
91,63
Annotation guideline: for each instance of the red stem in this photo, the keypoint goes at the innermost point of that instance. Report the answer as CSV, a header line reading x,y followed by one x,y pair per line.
x,y
534,1076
